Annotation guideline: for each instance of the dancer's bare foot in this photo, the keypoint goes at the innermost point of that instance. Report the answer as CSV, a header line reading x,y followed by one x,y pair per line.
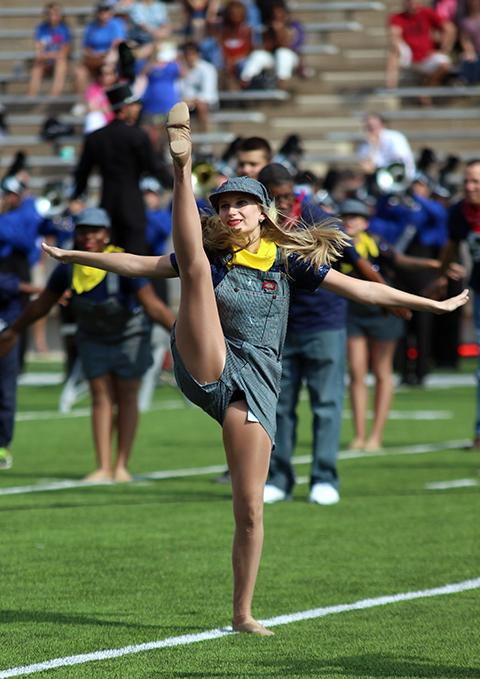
x,y
356,444
99,476
373,446
251,626
122,475
178,131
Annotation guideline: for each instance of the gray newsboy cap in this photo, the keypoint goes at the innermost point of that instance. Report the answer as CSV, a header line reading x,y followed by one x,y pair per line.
x,y
352,206
93,216
241,185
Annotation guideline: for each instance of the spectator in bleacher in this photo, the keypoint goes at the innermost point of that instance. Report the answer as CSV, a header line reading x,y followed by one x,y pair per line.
x,y
199,84
235,38
470,43
53,43
251,155
198,15
100,40
162,72
123,154
99,112
150,23
412,45
113,339
383,146
282,42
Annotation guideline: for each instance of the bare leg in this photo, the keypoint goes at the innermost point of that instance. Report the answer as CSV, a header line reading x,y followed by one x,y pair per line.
x,y
247,447
36,76
59,75
102,419
126,392
198,332
357,348
382,366
392,70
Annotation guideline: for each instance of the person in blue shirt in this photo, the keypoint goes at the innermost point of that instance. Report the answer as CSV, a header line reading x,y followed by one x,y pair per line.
x,y
314,352
415,225
53,43
19,223
113,339
100,39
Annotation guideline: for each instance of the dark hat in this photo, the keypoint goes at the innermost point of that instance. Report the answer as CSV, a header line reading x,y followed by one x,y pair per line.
x,y
241,185
96,217
12,184
121,94
352,206
106,4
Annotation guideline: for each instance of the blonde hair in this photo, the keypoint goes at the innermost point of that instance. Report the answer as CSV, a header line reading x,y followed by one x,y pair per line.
x,y
321,243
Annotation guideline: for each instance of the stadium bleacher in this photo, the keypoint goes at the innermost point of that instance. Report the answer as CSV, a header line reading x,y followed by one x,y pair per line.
x,y
345,51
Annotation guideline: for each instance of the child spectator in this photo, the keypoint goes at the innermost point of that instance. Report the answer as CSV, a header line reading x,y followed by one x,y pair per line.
x,y
99,112
199,84
53,42
282,43
163,73
100,39
236,40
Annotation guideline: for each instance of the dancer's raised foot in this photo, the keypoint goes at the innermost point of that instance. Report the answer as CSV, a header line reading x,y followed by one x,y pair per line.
x,y
178,130
251,626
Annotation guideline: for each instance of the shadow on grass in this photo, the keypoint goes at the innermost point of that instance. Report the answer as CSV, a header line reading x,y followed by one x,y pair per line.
x,y
38,617
371,666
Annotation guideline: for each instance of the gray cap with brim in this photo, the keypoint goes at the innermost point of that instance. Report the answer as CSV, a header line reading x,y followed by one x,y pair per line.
x,y
241,185
95,217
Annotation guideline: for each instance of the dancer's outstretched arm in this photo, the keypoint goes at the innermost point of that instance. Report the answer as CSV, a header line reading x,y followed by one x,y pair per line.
x,y
366,292
122,263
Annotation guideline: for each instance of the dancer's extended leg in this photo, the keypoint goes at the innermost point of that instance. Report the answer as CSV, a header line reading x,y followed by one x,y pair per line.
x,y
198,332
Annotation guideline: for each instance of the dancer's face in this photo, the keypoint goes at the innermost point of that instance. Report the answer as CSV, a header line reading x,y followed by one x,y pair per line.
x,y
241,212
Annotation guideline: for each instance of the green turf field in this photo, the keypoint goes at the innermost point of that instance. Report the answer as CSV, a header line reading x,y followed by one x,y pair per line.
x,y
85,570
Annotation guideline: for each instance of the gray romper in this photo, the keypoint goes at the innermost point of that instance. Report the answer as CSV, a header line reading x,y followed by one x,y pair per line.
x,y
253,308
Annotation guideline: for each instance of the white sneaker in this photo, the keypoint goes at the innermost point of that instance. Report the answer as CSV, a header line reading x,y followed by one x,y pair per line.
x,y
324,494
273,494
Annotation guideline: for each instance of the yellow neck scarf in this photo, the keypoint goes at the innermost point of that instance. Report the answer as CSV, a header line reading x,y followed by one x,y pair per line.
x,y
263,259
85,278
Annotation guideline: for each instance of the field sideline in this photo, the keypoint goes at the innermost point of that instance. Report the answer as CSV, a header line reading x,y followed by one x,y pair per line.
x,y
96,574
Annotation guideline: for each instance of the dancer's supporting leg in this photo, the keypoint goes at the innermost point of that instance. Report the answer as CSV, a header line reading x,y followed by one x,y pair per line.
x,y
247,447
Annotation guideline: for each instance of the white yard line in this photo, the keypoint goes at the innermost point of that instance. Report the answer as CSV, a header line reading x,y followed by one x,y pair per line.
x,y
178,404
447,485
65,484
209,635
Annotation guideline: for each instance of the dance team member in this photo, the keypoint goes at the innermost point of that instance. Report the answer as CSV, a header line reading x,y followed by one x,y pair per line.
x,y
235,276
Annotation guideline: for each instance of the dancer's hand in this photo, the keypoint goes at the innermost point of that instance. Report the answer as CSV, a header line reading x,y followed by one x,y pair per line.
x,y
56,253
452,303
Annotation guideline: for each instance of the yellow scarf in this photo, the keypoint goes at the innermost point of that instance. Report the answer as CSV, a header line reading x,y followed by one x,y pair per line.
x,y
85,278
263,259
366,246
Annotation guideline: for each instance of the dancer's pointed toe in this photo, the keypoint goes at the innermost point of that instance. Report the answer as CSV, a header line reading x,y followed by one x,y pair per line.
x,y
179,136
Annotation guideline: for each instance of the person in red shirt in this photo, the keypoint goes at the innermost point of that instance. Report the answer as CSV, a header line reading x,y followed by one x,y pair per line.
x,y
412,44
